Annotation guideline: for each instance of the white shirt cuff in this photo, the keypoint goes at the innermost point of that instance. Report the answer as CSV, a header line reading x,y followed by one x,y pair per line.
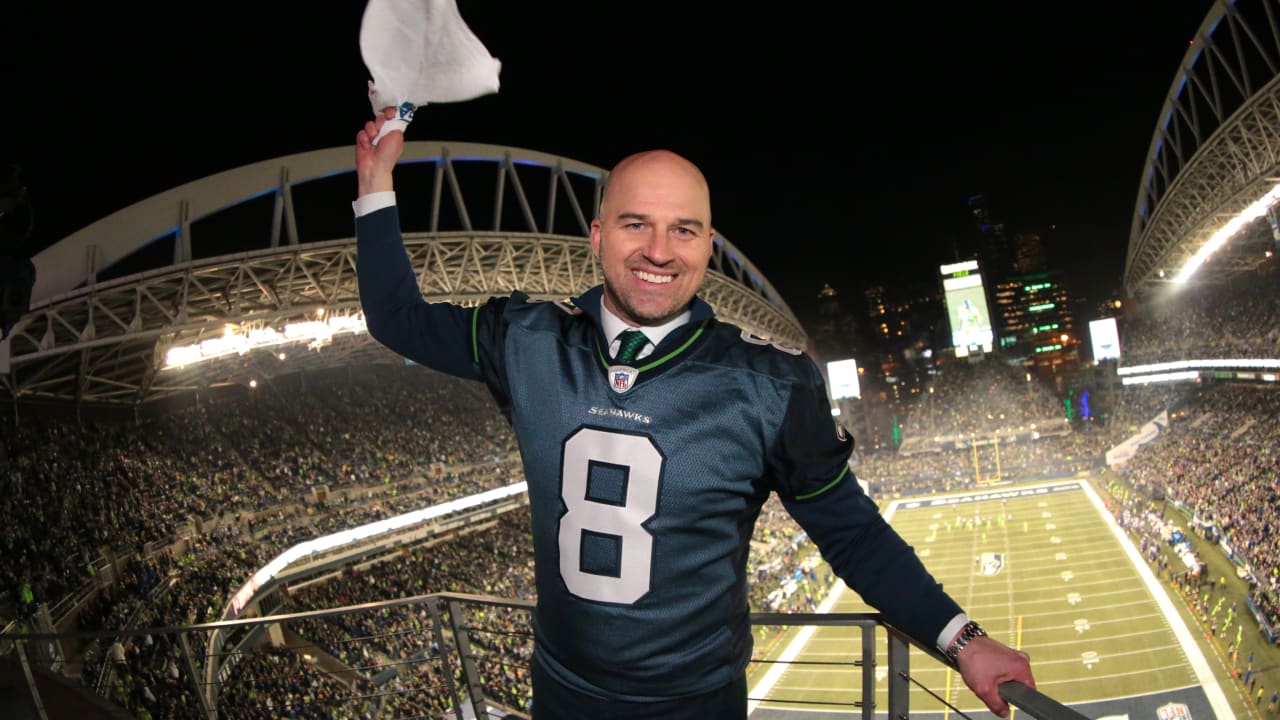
x,y
948,632
366,204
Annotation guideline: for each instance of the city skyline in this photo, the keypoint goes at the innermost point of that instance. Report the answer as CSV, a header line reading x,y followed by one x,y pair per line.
x,y
842,143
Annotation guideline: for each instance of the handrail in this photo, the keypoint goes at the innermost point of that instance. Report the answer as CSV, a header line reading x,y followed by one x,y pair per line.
x,y
1036,704
469,686
1028,699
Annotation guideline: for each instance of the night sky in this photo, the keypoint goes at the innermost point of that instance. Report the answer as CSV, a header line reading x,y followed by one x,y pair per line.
x,y
882,118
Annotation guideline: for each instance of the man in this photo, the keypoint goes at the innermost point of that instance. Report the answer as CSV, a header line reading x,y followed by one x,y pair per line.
x,y
647,471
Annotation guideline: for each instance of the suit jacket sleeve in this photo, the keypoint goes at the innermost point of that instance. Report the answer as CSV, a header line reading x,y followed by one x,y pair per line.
x,y
820,491
442,336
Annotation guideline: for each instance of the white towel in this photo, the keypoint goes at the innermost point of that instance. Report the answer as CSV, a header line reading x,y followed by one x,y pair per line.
x,y
422,51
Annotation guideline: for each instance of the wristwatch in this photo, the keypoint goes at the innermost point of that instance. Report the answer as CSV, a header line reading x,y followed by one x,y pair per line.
x,y
970,631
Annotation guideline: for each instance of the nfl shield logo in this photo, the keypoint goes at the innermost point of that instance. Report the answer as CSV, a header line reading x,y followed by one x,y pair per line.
x,y
990,563
621,377
1174,711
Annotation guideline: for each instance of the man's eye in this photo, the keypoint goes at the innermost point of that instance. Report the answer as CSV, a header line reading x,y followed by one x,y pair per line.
x,y
684,232
634,226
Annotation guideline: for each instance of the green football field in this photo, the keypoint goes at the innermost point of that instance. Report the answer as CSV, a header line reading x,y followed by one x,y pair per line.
x,y
1044,568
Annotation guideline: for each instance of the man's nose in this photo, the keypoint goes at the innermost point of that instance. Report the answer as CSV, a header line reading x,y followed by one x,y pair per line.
x,y
658,249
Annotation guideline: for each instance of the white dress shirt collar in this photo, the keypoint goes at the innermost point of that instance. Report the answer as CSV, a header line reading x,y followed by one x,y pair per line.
x,y
613,326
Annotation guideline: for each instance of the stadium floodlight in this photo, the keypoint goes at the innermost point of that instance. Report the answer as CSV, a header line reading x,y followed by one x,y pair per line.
x,y
1160,377
1255,210
238,341
1228,364
378,527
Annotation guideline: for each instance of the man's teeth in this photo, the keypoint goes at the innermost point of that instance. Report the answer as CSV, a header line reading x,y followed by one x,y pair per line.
x,y
649,277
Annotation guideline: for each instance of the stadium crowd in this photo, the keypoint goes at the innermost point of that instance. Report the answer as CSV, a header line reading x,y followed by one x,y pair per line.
x,y
1236,320
1218,459
986,399
157,521
980,398
118,487
1221,462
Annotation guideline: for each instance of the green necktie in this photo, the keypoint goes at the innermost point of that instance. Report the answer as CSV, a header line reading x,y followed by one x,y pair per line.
x,y
630,342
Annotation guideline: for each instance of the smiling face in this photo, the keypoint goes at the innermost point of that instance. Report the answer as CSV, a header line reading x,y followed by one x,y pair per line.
x,y
653,237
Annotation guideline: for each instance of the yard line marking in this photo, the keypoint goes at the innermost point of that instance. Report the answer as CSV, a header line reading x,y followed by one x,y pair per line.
x,y
1093,596
782,704
930,672
1145,650
1092,608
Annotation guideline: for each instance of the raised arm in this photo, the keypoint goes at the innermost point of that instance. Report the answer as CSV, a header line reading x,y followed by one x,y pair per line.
x,y
438,335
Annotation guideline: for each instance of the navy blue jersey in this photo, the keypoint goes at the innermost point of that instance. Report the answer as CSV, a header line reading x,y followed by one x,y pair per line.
x,y
644,488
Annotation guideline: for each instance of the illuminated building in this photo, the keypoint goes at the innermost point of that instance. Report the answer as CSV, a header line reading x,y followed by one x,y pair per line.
x,y
1035,322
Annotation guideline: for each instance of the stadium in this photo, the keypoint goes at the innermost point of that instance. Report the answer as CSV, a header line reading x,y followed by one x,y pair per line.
x,y
226,500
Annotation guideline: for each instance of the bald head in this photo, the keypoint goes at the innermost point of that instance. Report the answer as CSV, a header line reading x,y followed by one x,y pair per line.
x,y
657,171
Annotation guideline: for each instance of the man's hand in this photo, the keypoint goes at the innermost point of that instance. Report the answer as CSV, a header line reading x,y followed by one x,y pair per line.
x,y
985,663
374,163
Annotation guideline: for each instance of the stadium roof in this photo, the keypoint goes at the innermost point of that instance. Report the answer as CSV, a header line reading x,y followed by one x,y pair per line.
x,y
1214,155
254,269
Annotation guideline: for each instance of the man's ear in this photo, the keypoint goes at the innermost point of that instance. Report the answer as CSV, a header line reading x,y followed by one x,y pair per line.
x,y
595,238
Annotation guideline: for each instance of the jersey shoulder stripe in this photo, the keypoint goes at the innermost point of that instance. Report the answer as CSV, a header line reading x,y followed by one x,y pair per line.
x,y
536,314
732,346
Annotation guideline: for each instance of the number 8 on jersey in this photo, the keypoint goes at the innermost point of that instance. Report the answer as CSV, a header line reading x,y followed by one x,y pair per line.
x,y
641,462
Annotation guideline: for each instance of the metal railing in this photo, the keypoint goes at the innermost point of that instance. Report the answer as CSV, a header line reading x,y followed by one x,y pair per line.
x,y
443,655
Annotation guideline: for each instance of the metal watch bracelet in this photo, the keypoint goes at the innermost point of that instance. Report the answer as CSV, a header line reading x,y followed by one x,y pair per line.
x,y
970,631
